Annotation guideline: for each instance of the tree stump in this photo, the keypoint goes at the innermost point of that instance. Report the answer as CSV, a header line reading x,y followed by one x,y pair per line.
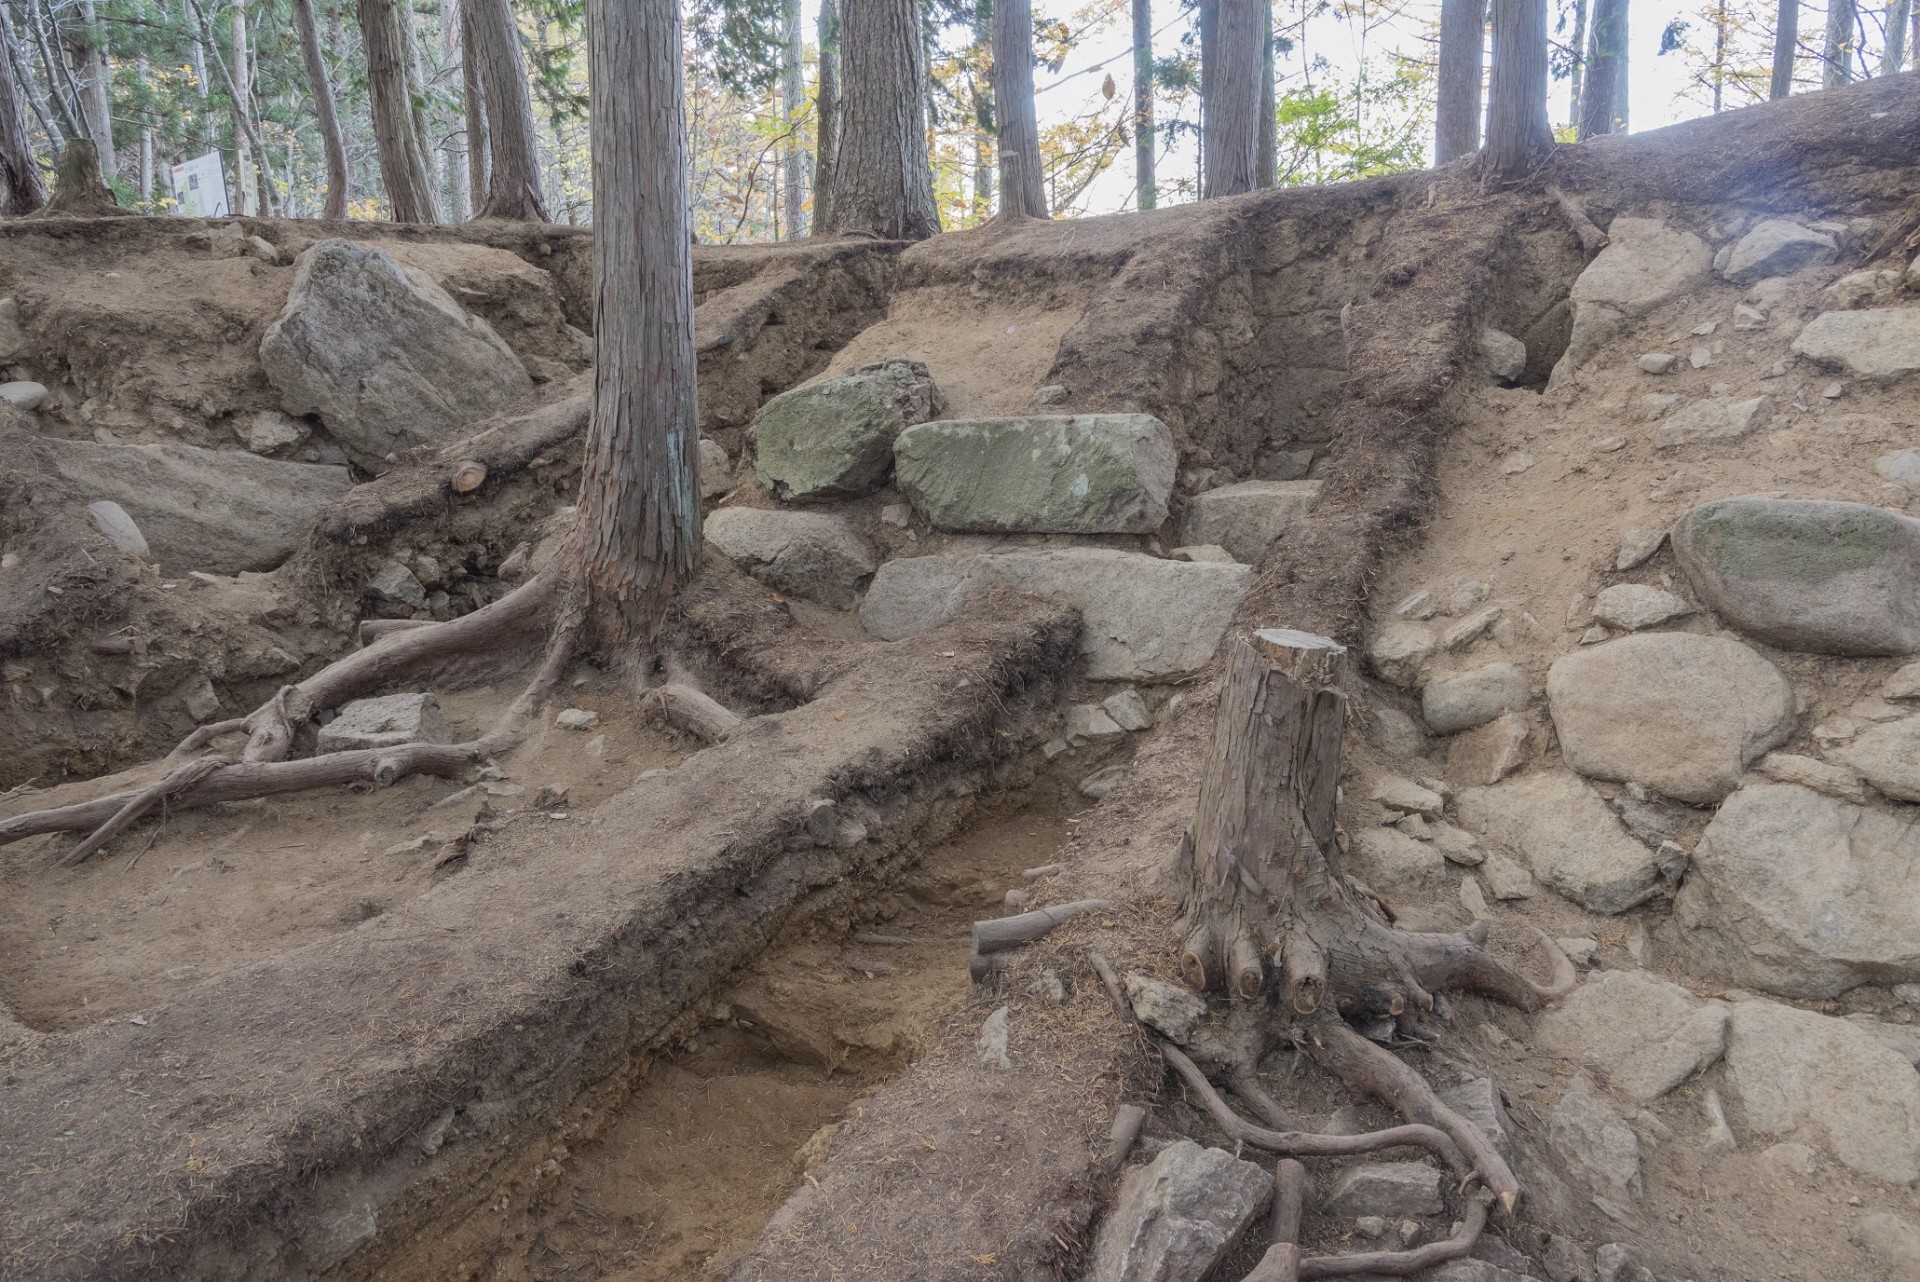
x,y
78,189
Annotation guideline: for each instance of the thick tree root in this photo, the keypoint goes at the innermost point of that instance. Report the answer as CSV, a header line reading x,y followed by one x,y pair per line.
x,y
684,707
1399,1264
1281,1263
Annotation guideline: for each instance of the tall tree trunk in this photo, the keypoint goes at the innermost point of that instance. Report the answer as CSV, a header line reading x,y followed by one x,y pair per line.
x,y
1518,133
1843,25
333,142
882,185
21,188
1577,49
22,72
513,165
983,117
1146,188
639,487
243,172
1267,144
1606,66
1230,99
1786,44
826,102
474,101
1719,57
242,120
793,100
143,68
1022,187
1463,37
403,159
96,82
1899,16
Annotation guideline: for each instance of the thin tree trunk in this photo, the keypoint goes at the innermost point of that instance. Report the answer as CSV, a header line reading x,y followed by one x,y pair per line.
x,y
983,117
96,99
23,77
1786,42
333,142
1518,133
1843,25
144,68
1606,64
1577,51
241,118
474,99
513,164
1899,16
1146,189
1267,144
1230,98
243,173
403,161
1463,35
53,61
1022,191
21,188
639,487
882,185
826,101
793,96
1719,57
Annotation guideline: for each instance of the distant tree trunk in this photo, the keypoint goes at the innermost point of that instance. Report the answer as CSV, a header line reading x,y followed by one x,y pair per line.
x,y
1843,25
1786,42
1899,15
22,73
881,183
474,100
333,142
793,95
826,102
1577,48
1463,37
1022,191
639,487
1230,99
403,157
1606,65
21,188
243,173
1517,130
1266,145
983,119
96,84
1147,192
243,123
513,163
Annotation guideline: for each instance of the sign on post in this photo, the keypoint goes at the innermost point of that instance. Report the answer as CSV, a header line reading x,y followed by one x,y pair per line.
x,y
200,185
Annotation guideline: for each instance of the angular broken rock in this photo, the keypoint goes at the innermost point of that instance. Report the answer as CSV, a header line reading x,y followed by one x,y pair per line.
x,y
1893,1242
1487,754
835,438
1832,578
386,722
1397,865
1177,1217
1683,714
395,582
1562,828
112,520
1880,343
1642,1034
1776,247
1145,619
1835,781
1502,355
1398,651
1249,518
1634,606
1473,698
1165,1008
1399,793
1717,418
1596,1145
716,469
1637,546
1043,474
1888,755
1090,721
1645,263
1128,710
1478,1101
382,354
1799,894
811,555
1390,1189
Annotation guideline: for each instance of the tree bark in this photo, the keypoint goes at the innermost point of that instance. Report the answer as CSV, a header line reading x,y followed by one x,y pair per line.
x,y
1577,47
1230,99
474,103
882,185
1517,130
826,100
21,188
333,142
1899,16
793,95
242,122
1463,37
1786,44
1266,142
1146,188
1606,69
640,485
403,157
243,171
96,83
1843,25
513,161
1022,187
983,117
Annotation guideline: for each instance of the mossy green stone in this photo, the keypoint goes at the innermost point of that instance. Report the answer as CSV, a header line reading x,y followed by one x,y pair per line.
x,y
834,439
1766,540
1063,474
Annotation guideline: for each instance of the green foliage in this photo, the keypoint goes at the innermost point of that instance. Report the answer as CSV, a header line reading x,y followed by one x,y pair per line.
x,y
1375,123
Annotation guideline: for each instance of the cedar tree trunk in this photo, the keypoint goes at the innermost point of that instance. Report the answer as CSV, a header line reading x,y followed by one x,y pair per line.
x,y
243,170
332,141
1230,98
881,183
1786,42
1463,37
21,188
403,155
793,97
1606,70
1267,155
1843,25
1517,130
474,102
1022,191
96,102
513,162
826,141
982,110
1147,192
1899,14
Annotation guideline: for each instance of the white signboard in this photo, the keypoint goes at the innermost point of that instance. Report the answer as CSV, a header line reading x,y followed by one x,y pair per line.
x,y
200,185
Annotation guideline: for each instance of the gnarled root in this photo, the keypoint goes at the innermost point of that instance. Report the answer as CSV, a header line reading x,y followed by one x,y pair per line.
x,y
1399,1264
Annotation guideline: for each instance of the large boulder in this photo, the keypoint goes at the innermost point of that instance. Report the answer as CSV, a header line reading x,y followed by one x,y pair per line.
x,y
1816,1077
1879,343
1802,894
1776,247
1061,474
1144,619
810,555
382,354
1247,519
223,511
1682,714
1597,1145
1643,1034
1573,842
834,439
1807,574
1644,264
1177,1217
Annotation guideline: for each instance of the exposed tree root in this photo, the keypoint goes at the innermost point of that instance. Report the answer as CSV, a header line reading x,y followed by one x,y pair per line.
x,y
687,708
1399,1264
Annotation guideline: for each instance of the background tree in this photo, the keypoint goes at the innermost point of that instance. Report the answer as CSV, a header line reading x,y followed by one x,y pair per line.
x,y
1518,133
1606,70
1231,61
1463,33
1843,22
513,155
1786,40
320,83
827,112
402,151
1146,190
793,93
1899,16
881,184
1016,121
22,190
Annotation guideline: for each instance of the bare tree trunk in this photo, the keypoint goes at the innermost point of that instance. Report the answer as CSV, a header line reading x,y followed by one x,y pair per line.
x,y
474,99
1022,193
1267,144
793,94
1606,67
22,72
1899,16
1843,26
1230,99
1786,42
1463,36
1517,130
1146,188
21,189
333,142
242,121
1577,49
513,163
640,487
882,185
826,142
243,173
403,157
96,82
983,117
